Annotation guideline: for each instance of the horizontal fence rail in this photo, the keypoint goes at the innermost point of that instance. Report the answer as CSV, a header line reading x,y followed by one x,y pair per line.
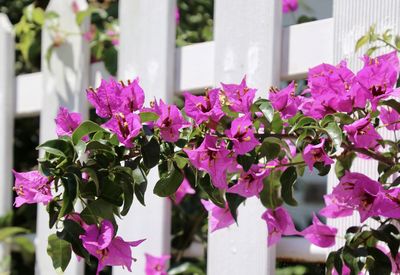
x,y
194,68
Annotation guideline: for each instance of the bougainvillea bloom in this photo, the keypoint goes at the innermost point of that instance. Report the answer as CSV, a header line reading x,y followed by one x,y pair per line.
x,y
376,80
362,133
107,98
133,96
183,190
239,97
289,6
125,127
312,108
285,101
67,122
109,250
279,223
320,234
170,121
355,191
250,183
316,153
390,118
218,217
242,135
204,108
212,157
156,265
32,187
330,85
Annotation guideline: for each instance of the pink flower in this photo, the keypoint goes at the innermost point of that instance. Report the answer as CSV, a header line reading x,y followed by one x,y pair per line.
x,y
250,183
109,250
170,121
67,122
355,191
183,189
285,101
313,108
125,127
362,133
75,7
32,187
204,108
279,223
390,118
330,85
376,80
107,98
289,5
242,135
156,265
320,234
177,16
219,217
316,153
132,96
212,157
239,97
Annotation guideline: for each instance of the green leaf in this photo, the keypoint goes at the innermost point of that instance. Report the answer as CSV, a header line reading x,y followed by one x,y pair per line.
x,y
53,208
180,161
70,233
277,123
81,15
270,194
362,41
58,147
11,231
186,268
382,264
112,193
59,252
110,59
246,161
128,192
267,110
288,179
98,146
70,183
304,121
371,50
140,185
343,164
393,104
38,16
98,208
151,153
148,116
168,185
213,193
335,133
270,148
234,200
86,128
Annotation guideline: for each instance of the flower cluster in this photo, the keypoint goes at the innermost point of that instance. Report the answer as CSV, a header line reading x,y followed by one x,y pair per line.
x,y
230,147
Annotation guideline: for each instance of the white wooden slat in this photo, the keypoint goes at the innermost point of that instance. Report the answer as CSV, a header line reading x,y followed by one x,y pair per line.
x,y
305,46
148,50
194,67
64,84
352,19
247,41
7,110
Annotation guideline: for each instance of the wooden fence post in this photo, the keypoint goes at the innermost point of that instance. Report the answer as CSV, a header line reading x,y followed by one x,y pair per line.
x,y
7,108
247,42
65,78
352,20
148,50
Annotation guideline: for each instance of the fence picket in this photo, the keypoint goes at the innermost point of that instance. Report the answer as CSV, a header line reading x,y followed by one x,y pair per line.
x,y
65,79
247,41
7,106
352,20
148,50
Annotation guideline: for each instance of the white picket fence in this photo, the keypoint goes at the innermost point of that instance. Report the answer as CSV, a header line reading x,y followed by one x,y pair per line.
x,y
248,39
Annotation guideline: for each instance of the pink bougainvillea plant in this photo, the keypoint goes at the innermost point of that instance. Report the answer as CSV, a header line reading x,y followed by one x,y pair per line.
x,y
231,146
